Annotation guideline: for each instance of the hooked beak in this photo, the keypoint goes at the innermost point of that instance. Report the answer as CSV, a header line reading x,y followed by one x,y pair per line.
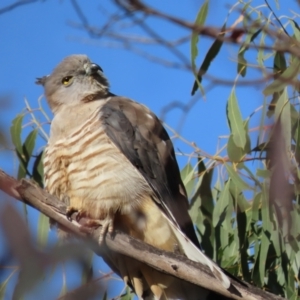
x,y
93,69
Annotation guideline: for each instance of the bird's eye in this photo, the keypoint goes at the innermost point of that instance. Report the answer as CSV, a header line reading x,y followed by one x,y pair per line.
x,y
67,80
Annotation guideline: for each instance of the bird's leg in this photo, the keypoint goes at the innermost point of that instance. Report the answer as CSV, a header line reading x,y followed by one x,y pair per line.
x,y
107,225
106,221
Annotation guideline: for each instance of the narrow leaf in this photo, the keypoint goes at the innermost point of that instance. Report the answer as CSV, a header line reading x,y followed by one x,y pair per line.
x,y
38,170
222,203
43,230
263,173
15,131
234,152
256,207
187,175
242,62
296,29
29,144
210,56
279,64
240,183
27,149
235,121
200,20
286,78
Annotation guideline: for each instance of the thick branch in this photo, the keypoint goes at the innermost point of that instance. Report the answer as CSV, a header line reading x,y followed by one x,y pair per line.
x,y
166,262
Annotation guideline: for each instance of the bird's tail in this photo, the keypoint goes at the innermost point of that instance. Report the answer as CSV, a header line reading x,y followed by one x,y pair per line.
x,y
149,283
195,254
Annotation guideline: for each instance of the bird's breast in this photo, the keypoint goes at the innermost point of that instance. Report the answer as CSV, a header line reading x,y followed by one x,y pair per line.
x,y
88,169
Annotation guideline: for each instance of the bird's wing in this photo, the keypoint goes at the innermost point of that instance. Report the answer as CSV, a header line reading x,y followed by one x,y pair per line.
x,y
140,136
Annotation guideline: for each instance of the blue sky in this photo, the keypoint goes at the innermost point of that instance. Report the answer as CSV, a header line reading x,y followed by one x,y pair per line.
x,y
36,37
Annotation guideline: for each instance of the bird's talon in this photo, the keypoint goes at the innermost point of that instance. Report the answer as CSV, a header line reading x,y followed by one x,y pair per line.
x,y
70,212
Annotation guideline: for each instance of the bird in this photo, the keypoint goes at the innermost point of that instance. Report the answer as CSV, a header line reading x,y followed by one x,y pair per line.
x,y
111,159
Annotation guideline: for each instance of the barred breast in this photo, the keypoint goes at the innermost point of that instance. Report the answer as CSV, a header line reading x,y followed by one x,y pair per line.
x,y
88,169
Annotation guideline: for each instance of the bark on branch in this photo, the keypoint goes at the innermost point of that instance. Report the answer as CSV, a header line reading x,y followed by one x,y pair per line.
x,y
166,262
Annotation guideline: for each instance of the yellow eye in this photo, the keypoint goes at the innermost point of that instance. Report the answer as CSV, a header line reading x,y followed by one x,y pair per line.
x,y
67,80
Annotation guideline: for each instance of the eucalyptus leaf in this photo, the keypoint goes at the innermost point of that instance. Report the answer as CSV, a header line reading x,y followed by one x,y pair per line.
x,y
234,117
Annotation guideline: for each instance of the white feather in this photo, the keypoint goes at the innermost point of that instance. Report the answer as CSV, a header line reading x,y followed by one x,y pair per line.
x,y
195,254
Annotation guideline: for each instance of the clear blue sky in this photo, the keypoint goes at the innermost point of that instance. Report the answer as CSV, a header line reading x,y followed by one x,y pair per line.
x,y
36,37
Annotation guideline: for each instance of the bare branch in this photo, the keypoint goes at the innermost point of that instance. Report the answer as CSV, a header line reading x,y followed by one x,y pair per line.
x,y
15,5
287,43
170,263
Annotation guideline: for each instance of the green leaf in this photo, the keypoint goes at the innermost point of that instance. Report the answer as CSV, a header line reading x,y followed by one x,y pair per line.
x,y
235,121
276,241
43,230
242,62
27,149
256,207
240,183
242,227
296,29
234,152
200,20
260,54
203,186
29,144
263,173
279,64
203,193
187,175
221,205
105,296
15,132
38,169
264,248
127,295
22,171
286,78
210,56
265,209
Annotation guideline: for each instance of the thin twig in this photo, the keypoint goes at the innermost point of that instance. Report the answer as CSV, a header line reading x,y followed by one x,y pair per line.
x,y
15,5
270,8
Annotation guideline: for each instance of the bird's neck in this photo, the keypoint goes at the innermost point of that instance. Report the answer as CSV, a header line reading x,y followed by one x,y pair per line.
x,y
76,116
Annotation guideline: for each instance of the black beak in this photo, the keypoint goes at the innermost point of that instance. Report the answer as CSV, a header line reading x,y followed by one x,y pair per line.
x,y
95,68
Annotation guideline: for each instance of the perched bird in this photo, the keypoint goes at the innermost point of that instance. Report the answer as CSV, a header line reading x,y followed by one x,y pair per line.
x,y
112,160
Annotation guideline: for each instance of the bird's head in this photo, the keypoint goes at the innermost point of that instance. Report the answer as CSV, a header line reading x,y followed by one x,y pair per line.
x,y
76,79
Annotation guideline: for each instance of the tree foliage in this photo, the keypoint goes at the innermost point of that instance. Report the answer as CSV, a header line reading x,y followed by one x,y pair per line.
x,y
244,199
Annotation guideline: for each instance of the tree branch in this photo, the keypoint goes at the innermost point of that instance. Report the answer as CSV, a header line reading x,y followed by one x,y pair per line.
x,y
15,5
286,45
170,263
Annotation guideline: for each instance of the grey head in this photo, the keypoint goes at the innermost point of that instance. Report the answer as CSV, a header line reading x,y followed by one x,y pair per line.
x,y
75,80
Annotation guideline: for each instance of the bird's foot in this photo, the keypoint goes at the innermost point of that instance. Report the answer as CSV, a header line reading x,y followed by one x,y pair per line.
x,y
88,225
107,227
71,210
